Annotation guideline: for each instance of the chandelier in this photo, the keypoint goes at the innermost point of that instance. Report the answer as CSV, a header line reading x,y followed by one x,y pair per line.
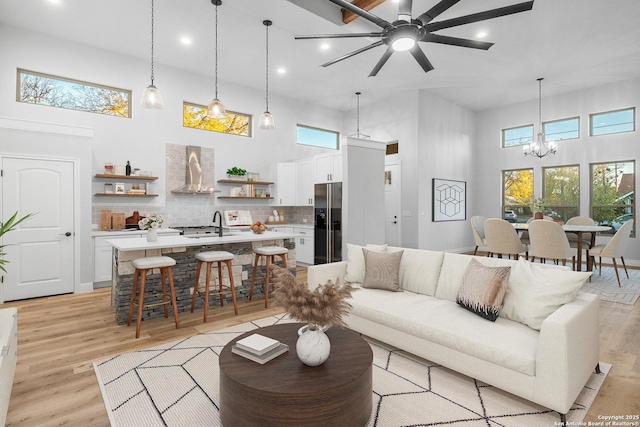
x,y
540,147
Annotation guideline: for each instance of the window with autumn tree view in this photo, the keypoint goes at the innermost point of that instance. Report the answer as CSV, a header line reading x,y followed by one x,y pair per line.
x,y
195,116
44,89
518,192
561,189
613,193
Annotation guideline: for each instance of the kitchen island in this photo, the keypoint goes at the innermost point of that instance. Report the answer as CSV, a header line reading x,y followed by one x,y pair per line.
x,y
183,249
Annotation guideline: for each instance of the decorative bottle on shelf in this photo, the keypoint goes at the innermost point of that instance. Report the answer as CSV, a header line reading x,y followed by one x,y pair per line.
x,y
128,169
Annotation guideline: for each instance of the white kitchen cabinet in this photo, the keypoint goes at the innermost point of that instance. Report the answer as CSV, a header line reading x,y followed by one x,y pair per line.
x,y
281,229
286,183
305,182
8,357
328,168
304,245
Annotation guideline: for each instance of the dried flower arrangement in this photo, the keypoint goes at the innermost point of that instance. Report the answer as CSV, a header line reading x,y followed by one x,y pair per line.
x,y
324,306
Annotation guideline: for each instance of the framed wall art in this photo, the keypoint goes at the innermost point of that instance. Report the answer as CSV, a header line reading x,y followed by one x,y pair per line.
x,y
449,200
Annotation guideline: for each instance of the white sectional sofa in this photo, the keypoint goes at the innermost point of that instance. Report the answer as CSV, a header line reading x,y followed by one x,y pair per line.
x,y
543,346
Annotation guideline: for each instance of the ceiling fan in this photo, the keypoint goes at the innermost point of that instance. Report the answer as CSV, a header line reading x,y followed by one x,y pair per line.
x,y
404,33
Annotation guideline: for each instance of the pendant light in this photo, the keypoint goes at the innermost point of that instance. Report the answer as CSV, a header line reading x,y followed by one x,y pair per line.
x,y
216,107
151,96
358,134
267,122
540,147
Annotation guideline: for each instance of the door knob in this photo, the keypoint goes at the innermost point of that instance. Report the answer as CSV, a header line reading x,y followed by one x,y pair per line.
x,y
394,222
68,233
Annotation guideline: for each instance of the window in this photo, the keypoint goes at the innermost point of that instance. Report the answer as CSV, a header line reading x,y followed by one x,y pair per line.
x,y
561,189
307,135
558,130
612,122
44,89
195,116
518,192
613,193
513,137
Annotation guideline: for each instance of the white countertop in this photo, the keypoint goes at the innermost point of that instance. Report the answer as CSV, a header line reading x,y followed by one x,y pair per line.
x,y
130,231
140,243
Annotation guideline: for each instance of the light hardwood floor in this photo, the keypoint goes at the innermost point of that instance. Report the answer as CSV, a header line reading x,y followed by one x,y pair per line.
x,y
59,338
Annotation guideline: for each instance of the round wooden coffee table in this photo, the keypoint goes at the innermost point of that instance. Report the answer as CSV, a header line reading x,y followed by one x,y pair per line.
x,y
285,392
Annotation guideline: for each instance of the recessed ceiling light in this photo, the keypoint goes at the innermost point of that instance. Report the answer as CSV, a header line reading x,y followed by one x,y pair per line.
x,y
396,1
185,40
282,70
481,34
54,1
324,46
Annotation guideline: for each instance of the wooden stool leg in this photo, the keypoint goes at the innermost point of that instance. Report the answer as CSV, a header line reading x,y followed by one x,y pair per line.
x,y
195,286
206,291
143,279
284,260
174,304
270,259
220,282
253,279
164,292
133,295
232,286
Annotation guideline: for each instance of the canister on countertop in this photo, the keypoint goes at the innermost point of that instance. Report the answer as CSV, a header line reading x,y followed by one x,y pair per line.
x,y
105,219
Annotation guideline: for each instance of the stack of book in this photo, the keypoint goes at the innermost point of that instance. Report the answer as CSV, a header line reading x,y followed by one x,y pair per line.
x,y
259,348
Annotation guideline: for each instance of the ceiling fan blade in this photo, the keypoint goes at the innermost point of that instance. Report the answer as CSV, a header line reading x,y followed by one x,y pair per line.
x,y
422,59
455,41
355,52
405,8
481,16
436,10
382,61
338,36
361,12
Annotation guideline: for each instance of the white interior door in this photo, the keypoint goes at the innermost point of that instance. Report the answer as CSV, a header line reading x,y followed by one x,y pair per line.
x,y
392,204
41,249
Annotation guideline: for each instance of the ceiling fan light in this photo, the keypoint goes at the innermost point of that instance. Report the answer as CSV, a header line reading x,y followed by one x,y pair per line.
x,y
403,43
216,109
152,98
267,121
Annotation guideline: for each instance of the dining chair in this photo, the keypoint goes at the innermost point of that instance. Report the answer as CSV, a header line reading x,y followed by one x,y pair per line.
x,y
477,227
614,249
524,237
502,239
549,241
586,237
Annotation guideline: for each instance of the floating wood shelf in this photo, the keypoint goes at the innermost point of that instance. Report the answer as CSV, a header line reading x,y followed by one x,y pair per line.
x,y
133,177
256,198
124,195
233,181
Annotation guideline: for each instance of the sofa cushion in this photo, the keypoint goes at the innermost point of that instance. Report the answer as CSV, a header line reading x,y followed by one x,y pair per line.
x,y
381,270
482,289
355,261
419,269
535,292
453,268
503,342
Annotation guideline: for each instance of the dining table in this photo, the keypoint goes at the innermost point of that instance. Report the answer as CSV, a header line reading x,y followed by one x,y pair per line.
x,y
579,230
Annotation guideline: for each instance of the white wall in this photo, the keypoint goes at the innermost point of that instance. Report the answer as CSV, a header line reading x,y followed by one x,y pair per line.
x,y
142,138
492,159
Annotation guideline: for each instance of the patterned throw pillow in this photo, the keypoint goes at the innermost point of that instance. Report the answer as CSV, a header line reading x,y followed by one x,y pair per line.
x,y
382,270
483,288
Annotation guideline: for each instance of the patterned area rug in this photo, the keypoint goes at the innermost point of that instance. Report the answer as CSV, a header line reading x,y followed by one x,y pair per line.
x,y
176,384
607,289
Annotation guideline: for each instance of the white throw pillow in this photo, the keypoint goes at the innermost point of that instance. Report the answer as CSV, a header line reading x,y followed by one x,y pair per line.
x,y
535,292
355,261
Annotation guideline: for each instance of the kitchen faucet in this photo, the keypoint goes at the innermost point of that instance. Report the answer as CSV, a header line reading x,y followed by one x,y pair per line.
x,y
219,215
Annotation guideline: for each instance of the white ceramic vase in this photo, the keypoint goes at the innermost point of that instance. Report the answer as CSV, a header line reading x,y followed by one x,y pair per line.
x,y
313,345
152,235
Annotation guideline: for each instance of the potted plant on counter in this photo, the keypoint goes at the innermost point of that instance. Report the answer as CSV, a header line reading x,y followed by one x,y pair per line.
x,y
236,173
8,226
538,207
151,223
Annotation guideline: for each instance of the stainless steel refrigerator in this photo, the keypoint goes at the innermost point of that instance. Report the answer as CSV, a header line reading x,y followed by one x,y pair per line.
x,y
328,223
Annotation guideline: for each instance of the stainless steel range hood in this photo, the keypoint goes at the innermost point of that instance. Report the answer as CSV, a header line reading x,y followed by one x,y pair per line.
x,y
194,174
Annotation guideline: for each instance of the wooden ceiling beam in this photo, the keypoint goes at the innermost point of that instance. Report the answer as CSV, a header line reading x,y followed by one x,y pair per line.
x,y
367,5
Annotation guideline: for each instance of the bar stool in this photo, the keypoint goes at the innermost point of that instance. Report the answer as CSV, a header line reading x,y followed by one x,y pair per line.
x,y
269,252
143,266
209,258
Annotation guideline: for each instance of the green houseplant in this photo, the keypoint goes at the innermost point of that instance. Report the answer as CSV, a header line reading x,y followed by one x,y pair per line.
x,y
11,224
236,172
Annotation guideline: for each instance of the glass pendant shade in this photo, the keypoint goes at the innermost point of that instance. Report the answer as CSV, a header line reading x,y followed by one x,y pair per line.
x,y
152,98
216,109
267,122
